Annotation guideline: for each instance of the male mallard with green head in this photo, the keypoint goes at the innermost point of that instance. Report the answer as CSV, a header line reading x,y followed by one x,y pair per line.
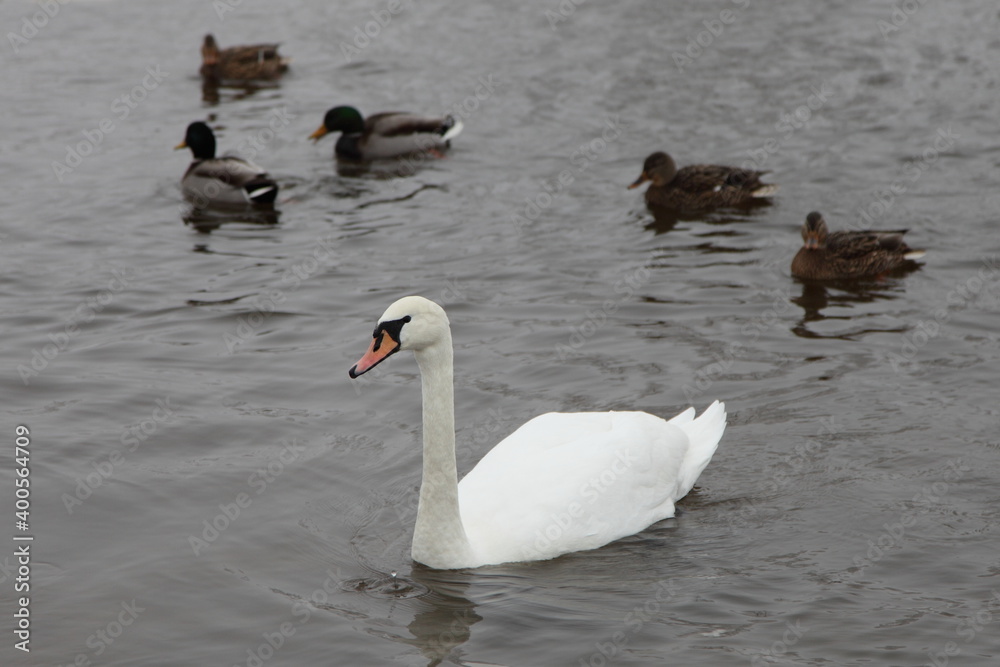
x,y
848,254
386,135
241,63
700,186
223,180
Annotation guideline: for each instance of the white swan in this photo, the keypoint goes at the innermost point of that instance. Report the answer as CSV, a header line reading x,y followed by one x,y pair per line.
x,y
563,482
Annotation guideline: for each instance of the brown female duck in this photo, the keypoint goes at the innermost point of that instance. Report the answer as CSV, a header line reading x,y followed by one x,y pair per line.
x,y
700,186
848,254
241,63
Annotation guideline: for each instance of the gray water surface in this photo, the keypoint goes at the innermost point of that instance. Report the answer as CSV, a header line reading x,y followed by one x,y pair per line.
x,y
171,378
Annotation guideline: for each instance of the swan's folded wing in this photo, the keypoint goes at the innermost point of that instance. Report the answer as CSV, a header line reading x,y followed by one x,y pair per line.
x,y
569,482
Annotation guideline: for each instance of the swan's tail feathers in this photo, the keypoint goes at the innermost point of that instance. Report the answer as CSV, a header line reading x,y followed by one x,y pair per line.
x,y
703,435
685,417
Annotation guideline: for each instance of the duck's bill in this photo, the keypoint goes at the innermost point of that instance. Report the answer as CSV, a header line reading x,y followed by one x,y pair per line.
x,y
319,133
639,181
181,145
381,348
812,243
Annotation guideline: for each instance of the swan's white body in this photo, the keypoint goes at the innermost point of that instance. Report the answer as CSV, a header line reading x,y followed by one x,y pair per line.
x,y
562,482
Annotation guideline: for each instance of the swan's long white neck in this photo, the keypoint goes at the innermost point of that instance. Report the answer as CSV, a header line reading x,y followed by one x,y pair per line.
x,y
439,538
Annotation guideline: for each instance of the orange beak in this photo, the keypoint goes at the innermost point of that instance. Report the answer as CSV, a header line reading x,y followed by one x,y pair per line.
x,y
382,346
319,133
181,145
643,177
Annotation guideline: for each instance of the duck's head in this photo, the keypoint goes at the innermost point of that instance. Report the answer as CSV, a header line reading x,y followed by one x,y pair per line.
x,y
814,231
658,168
340,119
412,323
209,50
200,139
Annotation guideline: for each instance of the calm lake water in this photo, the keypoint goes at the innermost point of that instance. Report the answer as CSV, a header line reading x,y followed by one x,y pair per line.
x,y
209,488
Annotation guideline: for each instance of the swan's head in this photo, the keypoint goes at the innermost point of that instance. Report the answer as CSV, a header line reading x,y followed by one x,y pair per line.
x,y
412,323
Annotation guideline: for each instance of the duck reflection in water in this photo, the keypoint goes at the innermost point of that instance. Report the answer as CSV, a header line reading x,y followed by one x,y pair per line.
x,y
818,296
213,91
207,220
665,219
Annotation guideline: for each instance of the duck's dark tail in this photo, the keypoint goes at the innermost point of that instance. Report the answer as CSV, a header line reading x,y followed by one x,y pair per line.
x,y
261,190
451,127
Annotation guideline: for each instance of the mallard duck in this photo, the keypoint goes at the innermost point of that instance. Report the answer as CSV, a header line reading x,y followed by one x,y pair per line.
x,y
221,180
386,135
241,63
700,186
849,254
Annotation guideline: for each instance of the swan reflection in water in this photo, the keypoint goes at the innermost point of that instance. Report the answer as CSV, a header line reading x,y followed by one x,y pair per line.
x,y
442,614
444,619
